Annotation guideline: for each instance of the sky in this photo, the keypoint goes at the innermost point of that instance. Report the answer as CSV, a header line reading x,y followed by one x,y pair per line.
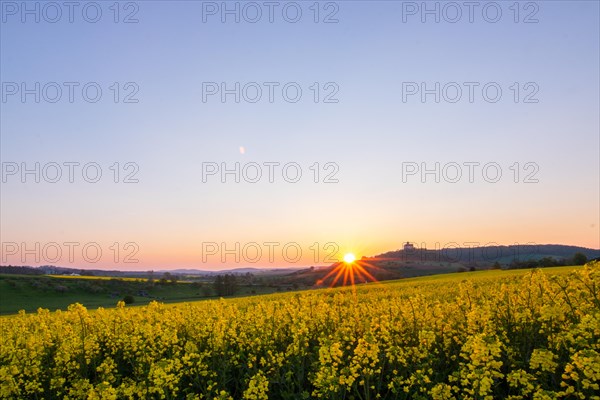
x,y
212,135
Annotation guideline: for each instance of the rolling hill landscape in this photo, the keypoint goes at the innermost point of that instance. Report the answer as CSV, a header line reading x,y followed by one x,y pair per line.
x,y
28,288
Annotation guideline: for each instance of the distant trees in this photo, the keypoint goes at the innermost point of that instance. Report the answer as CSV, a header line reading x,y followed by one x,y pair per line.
x,y
225,285
248,278
128,299
168,278
219,286
547,262
20,270
579,259
517,264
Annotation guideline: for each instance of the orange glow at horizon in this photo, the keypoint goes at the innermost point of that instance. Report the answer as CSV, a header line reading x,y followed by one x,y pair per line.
x,y
350,273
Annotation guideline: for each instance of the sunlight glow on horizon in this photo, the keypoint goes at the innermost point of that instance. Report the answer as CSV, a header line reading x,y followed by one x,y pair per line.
x,y
326,180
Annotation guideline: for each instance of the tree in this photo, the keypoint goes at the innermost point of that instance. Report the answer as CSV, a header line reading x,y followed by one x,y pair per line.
x,y
230,282
546,262
579,259
219,285
496,265
168,277
128,299
225,285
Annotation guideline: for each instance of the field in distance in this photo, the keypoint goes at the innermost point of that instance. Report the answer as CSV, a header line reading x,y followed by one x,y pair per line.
x,y
29,292
516,334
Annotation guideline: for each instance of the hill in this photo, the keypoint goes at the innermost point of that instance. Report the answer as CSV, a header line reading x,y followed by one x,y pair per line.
x,y
490,254
414,262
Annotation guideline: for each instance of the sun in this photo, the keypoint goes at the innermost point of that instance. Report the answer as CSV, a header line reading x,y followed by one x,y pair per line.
x,y
349,258
349,271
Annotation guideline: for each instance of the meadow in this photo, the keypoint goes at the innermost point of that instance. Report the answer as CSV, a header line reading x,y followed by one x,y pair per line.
x,y
522,334
29,292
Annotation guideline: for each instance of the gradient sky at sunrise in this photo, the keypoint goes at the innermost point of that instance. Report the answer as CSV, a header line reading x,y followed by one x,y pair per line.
x,y
369,55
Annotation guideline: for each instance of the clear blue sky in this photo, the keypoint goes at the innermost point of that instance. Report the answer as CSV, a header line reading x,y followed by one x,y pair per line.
x,y
369,133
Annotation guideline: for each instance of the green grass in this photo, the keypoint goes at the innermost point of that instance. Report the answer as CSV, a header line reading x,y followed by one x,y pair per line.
x,y
30,292
105,278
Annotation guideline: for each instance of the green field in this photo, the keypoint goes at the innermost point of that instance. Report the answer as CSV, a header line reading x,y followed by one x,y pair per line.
x,y
30,292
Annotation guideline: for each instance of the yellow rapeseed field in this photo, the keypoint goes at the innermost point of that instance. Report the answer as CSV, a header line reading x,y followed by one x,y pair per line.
x,y
487,335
